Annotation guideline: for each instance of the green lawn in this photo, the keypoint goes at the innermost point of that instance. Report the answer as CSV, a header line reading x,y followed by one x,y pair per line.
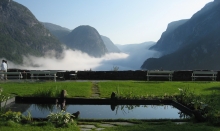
x,y
35,126
156,88
144,126
168,126
83,89
74,89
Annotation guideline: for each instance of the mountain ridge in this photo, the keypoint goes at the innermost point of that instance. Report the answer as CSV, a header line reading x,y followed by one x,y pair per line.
x,y
199,47
160,46
111,47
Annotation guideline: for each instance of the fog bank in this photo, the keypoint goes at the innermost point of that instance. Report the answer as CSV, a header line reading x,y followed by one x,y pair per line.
x,y
131,58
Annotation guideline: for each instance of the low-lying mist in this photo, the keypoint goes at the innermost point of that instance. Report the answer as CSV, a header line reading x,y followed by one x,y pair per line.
x,y
76,60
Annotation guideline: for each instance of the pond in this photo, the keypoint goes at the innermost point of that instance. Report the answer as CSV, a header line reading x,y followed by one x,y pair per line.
x,y
107,111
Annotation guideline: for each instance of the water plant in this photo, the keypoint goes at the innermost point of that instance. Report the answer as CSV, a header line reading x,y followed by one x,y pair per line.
x,y
127,95
130,95
61,118
13,116
51,92
206,107
210,109
3,98
28,117
10,115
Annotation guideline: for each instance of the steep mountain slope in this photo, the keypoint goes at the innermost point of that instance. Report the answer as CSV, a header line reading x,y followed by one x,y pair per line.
x,y
86,39
200,25
57,30
111,47
198,41
163,45
21,34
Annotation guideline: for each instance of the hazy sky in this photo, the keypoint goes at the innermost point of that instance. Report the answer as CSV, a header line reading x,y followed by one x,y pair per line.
x,y
123,21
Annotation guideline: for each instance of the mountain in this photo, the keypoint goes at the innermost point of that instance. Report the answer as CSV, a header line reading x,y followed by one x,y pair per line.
x,y
188,31
111,47
21,34
164,44
196,43
86,39
57,30
61,32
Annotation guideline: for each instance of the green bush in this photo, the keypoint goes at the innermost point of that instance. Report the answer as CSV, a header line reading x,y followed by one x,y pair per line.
x,y
61,118
12,116
51,92
3,98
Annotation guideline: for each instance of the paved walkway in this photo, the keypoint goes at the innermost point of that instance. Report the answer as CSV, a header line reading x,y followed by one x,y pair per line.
x,y
95,90
86,126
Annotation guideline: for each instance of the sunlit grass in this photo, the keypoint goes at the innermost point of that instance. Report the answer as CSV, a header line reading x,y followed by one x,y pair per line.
x,y
74,89
35,126
169,126
156,88
83,89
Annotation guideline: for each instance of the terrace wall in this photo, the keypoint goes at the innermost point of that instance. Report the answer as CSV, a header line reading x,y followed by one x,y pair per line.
x,y
121,75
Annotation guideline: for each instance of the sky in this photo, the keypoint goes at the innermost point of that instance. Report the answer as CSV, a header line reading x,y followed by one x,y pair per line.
x,y
123,21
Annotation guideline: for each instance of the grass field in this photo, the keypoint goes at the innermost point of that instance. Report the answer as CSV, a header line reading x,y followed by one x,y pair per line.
x,y
74,89
167,126
156,88
35,126
138,88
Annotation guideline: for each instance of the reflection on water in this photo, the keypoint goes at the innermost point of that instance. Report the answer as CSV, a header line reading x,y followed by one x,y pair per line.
x,y
44,107
111,111
50,107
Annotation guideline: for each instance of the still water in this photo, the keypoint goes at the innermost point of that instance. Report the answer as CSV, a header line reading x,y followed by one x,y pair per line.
x,y
110,112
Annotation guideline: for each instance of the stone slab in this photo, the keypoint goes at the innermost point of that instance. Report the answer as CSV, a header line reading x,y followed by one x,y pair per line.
x,y
85,129
9,101
122,123
107,125
99,129
87,126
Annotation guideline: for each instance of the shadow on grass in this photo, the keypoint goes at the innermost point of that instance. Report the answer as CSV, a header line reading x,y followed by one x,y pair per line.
x,y
213,89
197,82
147,82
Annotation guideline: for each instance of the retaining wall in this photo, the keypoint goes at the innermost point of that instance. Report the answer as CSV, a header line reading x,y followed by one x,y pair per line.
x,y
184,75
